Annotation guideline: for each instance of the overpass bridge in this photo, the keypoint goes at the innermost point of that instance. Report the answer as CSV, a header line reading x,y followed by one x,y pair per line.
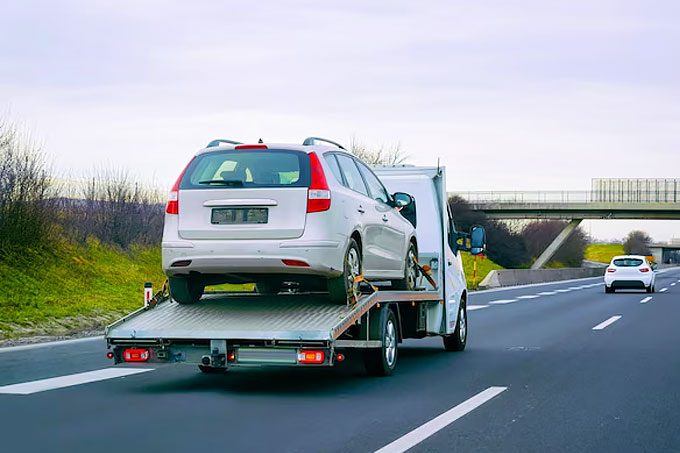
x,y
574,206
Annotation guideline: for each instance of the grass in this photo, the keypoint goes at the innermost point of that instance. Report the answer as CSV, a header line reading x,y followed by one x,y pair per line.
x,y
484,266
603,253
75,287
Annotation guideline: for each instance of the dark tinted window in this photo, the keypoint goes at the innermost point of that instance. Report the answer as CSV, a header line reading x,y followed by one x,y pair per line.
x,y
247,168
628,262
330,160
376,188
352,175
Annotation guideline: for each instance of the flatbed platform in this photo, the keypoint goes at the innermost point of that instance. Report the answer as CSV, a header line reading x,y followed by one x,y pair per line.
x,y
243,316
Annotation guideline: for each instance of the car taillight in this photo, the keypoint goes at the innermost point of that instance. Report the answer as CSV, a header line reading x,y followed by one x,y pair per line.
x,y
611,269
173,197
311,357
644,269
318,194
136,355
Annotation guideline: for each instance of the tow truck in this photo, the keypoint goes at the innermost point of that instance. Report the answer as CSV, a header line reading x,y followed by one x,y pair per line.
x,y
236,329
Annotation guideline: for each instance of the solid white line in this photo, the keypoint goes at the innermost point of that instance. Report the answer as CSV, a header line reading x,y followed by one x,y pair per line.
x,y
663,290
646,299
604,324
27,388
532,285
24,347
503,301
442,421
547,293
476,307
528,296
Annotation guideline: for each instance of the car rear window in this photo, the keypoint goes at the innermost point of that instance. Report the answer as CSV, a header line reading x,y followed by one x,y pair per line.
x,y
628,262
247,169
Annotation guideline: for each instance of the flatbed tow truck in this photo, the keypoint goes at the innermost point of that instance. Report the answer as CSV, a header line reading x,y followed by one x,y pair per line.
x,y
229,329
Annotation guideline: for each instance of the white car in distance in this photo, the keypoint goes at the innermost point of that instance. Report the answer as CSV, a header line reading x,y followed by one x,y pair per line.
x,y
310,215
629,272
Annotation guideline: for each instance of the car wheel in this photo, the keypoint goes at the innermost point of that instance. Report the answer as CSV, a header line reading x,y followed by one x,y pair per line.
x,y
383,361
458,339
408,283
185,290
608,290
339,288
211,369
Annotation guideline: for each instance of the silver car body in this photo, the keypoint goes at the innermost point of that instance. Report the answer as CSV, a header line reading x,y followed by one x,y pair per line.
x,y
317,239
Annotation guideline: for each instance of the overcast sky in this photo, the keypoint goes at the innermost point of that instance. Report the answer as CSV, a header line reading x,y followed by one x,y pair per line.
x,y
509,95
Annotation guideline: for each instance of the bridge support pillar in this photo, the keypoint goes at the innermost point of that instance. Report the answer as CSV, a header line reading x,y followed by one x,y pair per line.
x,y
556,244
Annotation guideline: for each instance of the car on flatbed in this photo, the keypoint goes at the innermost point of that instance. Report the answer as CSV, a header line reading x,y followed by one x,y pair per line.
x,y
306,328
311,216
629,272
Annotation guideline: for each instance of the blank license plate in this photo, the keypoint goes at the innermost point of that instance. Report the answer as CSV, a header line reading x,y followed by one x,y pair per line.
x,y
231,216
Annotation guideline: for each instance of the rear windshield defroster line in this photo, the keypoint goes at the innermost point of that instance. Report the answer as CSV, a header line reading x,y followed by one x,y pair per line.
x,y
253,168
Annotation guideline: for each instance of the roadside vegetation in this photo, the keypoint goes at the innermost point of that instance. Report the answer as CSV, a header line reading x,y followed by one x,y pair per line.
x,y
603,253
484,266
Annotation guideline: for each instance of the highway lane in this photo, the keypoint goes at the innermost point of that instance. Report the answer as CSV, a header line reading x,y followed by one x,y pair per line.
x,y
569,388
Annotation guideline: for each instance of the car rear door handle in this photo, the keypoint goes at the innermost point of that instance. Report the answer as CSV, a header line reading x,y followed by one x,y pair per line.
x,y
361,209
385,218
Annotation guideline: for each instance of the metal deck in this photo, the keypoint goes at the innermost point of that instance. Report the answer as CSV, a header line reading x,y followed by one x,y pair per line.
x,y
252,317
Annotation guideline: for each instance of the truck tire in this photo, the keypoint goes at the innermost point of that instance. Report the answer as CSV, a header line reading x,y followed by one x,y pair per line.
x,y
185,290
458,339
408,283
340,287
383,361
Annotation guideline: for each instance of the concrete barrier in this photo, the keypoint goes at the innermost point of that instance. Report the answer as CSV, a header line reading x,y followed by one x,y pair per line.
x,y
514,277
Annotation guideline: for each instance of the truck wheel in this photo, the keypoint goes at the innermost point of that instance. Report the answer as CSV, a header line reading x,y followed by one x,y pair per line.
x,y
458,339
408,283
383,361
185,290
340,287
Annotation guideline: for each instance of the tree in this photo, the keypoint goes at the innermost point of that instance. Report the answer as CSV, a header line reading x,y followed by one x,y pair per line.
x,y
383,155
504,246
539,234
637,243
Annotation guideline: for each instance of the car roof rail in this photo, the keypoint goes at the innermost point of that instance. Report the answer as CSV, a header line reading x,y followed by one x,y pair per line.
x,y
311,141
218,141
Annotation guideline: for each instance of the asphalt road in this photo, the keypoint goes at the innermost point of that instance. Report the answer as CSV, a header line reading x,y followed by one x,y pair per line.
x,y
564,387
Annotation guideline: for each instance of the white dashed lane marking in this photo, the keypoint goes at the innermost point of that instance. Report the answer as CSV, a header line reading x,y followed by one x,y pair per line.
x,y
547,293
606,323
663,290
646,299
528,296
503,301
27,388
476,307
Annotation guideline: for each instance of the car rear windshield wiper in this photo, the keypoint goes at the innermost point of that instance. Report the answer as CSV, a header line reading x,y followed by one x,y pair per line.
x,y
224,182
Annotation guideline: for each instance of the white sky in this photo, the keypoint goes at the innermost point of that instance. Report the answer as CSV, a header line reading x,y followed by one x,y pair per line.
x,y
510,95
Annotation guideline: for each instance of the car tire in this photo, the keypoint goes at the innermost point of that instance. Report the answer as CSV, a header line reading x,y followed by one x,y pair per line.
x,y
185,290
340,287
383,361
458,339
211,369
409,282
608,290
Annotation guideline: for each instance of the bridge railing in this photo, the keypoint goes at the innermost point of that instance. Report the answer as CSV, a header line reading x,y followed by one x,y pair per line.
x,y
569,197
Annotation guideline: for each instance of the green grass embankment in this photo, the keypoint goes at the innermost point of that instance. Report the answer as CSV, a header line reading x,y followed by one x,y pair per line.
x,y
603,253
74,287
484,266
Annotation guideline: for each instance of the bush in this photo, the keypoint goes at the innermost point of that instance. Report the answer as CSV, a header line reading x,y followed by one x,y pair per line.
x,y
26,203
637,243
539,234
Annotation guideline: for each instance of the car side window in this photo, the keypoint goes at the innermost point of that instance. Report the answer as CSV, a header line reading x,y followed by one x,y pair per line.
x,y
335,168
351,172
378,191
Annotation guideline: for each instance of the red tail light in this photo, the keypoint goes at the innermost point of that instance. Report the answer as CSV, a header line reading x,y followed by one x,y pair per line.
x,y
173,197
611,269
251,147
318,194
311,357
295,263
136,355
644,269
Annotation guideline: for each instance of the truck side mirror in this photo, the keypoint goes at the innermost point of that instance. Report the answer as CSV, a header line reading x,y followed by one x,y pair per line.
x,y
477,240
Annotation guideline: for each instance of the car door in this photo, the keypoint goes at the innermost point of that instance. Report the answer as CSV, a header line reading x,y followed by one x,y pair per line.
x,y
391,227
363,204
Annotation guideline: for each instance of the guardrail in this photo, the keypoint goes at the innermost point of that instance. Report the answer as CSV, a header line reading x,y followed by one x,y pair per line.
x,y
569,197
